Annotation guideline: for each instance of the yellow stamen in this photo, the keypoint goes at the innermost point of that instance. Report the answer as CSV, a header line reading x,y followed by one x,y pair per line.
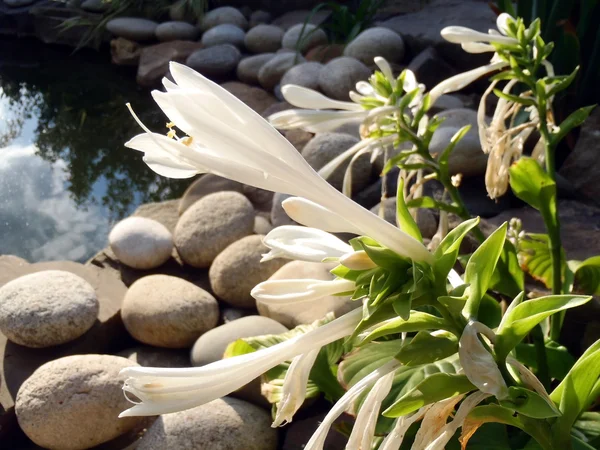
x,y
187,140
171,134
170,125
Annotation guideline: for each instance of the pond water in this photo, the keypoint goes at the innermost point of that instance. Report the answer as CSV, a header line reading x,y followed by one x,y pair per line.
x,y
65,175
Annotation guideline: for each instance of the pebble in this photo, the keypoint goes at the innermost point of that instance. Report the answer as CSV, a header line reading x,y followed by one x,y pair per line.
x,y
248,68
166,311
224,34
324,147
278,214
224,14
237,269
262,225
211,224
216,61
176,30
223,424
141,243
259,17
271,72
264,39
374,42
132,28
255,97
73,403
47,308
340,75
147,356
294,314
95,6
306,75
204,185
303,37
211,346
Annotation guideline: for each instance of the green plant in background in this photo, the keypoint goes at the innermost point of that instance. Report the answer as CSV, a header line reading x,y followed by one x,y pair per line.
x,y
574,28
344,22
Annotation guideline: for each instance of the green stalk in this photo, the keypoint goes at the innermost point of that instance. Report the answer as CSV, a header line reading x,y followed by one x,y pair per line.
x,y
553,228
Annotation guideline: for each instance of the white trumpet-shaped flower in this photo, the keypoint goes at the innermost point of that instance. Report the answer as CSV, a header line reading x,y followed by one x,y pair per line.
x,y
283,292
227,138
434,421
363,430
303,243
478,363
461,35
394,439
317,441
358,260
294,387
446,433
163,391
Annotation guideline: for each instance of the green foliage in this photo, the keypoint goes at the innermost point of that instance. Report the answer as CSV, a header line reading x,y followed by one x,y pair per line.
x,y
345,22
529,403
574,26
434,388
480,269
587,275
520,320
404,218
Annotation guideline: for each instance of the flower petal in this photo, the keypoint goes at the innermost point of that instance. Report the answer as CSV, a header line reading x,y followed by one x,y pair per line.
x,y
307,98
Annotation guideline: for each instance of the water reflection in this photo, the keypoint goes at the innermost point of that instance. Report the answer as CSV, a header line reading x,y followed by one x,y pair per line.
x,y
65,175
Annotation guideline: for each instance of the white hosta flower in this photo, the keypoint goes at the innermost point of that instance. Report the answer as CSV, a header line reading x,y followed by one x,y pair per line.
x,y
317,441
315,121
459,35
457,82
478,363
163,391
294,387
363,430
446,433
282,292
434,421
303,97
227,138
304,244
394,439
358,260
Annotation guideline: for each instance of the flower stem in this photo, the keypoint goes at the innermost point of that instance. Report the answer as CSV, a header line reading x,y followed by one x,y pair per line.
x,y
553,228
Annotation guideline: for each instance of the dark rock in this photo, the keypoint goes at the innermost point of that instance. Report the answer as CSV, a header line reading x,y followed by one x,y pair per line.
x,y
204,185
294,16
249,67
176,30
264,39
256,98
224,14
376,42
306,75
270,73
224,34
216,61
340,75
125,52
133,28
155,59
582,166
430,68
259,17
422,29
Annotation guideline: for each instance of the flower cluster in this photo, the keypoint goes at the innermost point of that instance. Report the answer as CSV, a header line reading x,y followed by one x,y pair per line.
x,y
400,287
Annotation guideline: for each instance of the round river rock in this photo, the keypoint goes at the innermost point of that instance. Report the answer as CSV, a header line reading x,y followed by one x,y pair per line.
x,y
47,308
238,269
141,243
73,403
167,311
211,224
223,424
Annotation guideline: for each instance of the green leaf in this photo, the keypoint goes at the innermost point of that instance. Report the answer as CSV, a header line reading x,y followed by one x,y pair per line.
x,y
434,388
444,157
383,257
573,393
589,424
514,98
430,203
529,403
480,268
562,83
416,322
534,186
447,252
508,278
574,120
403,216
535,257
587,275
363,360
427,347
518,322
